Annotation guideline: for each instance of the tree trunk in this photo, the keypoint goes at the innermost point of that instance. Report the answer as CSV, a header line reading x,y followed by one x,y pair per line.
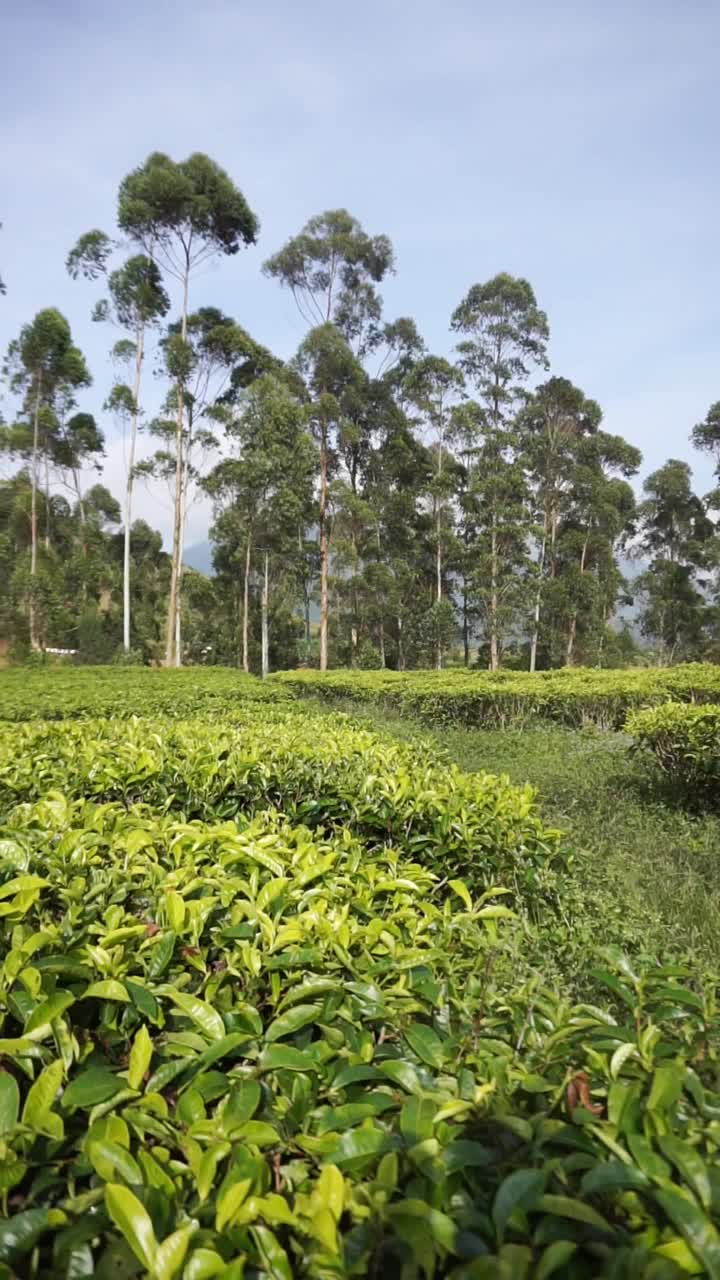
x,y
494,647
381,643
573,629
139,355
34,640
438,579
47,503
466,628
265,600
401,649
171,629
246,611
538,601
181,549
323,536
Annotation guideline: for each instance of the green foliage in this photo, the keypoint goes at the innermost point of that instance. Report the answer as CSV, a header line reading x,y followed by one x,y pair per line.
x,y
685,744
572,697
254,1020
66,694
320,771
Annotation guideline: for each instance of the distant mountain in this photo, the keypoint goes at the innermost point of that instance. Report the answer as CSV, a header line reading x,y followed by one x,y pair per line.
x,y
199,556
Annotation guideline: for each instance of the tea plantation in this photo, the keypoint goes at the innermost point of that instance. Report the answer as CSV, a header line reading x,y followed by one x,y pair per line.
x,y
286,992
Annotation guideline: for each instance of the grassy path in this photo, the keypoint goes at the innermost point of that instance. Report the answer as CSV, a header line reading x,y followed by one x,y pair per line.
x,y
646,860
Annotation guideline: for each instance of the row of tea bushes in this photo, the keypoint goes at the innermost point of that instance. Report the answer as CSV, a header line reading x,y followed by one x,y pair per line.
x,y
684,742
66,693
319,770
241,1049
575,697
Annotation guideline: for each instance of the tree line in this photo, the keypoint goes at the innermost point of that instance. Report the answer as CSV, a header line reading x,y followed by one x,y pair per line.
x,y
374,503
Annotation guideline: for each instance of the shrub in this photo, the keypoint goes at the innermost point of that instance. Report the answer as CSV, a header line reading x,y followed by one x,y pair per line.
x,y
319,770
573,697
64,693
684,742
234,1048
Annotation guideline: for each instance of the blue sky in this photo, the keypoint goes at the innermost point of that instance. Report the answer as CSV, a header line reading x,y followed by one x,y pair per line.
x,y
574,144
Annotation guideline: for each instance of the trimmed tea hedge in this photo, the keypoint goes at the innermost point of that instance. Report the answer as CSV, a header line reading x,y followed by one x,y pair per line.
x,y
235,1049
685,743
319,770
66,693
574,697
266,1012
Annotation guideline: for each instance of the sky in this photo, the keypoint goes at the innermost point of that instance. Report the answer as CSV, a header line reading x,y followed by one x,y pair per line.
x,y
572,144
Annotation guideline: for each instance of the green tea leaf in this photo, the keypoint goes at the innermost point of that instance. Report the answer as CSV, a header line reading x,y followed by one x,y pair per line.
x,y
140,1057
133,1221
201,1013
519,1190
426,1043
9,1102
288,1023
90,1087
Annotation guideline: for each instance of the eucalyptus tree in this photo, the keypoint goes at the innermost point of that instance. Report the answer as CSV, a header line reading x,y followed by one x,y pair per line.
x,y
706,435
213,360
552,427
599,519
330,373
136,302
433,387
332,268
504,340
42,364
183,214
676,534
263,495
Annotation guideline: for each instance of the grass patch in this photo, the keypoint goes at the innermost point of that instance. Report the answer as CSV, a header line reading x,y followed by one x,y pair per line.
x,y
651,864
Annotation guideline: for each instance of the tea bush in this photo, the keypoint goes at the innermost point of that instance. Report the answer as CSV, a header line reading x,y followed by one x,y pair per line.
x,y
64,693
573,697
235,1048
267,1010
319,770
684,742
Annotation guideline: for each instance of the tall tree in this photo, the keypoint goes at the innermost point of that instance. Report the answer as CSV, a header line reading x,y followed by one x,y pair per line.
x,y
183,215
263,494
330,371
433,387
598,518
676,534
331,268
504,339
42,363
706,435
553,425
136,301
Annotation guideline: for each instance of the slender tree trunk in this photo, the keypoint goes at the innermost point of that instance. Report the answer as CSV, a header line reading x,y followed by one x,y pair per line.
x,y
572,630
323,535
139,355
438,579
83,528
47,503
181,550
264,609
401,647
246,611
171,629
381,643
466,626
34,640
538,603
308,633
494,647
